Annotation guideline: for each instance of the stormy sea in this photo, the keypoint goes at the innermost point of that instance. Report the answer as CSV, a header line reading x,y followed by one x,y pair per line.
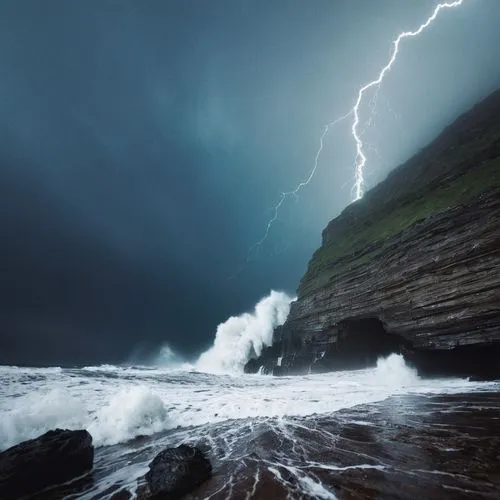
x,y
380,432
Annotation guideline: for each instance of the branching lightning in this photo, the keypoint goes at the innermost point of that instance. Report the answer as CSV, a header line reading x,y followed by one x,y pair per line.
x,y
286,194
359,183
360,158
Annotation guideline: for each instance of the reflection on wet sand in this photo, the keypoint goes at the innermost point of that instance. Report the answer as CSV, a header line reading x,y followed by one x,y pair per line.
x,y
408,447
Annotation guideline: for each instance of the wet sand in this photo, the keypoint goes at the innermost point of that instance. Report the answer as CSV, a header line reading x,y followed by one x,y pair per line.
x,y
405,447
408,447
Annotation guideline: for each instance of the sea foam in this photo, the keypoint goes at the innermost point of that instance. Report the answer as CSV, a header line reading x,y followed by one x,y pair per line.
x,y
132,412
116,405
37,412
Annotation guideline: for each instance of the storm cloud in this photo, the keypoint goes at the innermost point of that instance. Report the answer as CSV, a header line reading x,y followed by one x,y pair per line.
x,y
144,143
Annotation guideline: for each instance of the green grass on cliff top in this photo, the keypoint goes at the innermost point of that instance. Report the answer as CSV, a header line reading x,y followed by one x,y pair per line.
x,y
359,244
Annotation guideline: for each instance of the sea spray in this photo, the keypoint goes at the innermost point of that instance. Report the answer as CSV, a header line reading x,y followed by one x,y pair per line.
x,y
131,412
37,412
168,358
393,371
117,404
241,337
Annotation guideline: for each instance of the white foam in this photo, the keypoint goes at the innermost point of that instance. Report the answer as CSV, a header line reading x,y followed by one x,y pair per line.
x,y
393,371
36,413
133,411
101,368
241,337
315,489
117,404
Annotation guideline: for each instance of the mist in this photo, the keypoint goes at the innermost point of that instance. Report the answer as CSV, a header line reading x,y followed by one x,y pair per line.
x,y
144,144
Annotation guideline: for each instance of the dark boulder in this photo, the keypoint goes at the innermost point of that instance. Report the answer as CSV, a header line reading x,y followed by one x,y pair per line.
x,y
253,365
175,472
51,459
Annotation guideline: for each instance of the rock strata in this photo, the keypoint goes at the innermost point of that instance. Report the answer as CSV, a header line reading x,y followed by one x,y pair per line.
x,y
54,458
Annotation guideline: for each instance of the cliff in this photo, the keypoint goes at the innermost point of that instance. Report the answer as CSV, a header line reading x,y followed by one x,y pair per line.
x,y
413,267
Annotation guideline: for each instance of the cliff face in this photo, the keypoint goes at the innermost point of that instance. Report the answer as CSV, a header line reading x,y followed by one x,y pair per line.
x,y
413,267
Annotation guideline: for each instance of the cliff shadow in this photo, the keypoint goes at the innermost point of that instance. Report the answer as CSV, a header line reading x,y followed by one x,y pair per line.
x,y
478,361
358,343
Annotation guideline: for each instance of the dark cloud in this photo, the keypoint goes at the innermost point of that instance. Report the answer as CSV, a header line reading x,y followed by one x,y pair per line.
x,y
143,144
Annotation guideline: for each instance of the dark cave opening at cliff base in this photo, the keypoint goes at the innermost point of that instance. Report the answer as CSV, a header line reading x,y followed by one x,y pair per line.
x,y
360,342
478,361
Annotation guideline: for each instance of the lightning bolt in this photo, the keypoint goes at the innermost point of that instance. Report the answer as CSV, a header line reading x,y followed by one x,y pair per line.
x,y
286,194
360,162
358,188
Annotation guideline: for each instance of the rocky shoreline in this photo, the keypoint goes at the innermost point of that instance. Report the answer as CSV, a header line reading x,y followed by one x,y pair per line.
x,y
56,457
60,462
436,447
406,447
414,267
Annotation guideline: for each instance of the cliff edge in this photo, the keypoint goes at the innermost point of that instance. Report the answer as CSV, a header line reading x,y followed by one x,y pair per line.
x,y
413,267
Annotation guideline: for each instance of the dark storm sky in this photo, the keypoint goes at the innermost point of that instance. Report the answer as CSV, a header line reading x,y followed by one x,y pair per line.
x,y
143,143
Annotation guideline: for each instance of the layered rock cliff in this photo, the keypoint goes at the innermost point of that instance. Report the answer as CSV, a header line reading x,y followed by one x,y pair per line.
x,y
413,267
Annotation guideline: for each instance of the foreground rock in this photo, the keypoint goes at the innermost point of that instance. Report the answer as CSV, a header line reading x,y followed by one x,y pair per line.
x,y
175,472
414,267
51,459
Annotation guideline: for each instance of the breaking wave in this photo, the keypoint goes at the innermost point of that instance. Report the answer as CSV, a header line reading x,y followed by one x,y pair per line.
x,y
242,337
133,411
393,371
36,413
118,404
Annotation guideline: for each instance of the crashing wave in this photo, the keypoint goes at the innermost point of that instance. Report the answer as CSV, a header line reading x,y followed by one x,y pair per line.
x,y
241,337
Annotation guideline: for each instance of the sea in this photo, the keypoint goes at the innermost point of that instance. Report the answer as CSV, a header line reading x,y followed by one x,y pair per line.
x,y
381,432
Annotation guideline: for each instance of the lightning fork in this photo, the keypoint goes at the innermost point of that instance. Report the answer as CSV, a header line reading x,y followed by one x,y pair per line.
x,y
360,159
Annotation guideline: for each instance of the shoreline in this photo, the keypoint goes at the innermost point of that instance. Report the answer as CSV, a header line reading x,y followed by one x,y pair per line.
x,y
433,446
